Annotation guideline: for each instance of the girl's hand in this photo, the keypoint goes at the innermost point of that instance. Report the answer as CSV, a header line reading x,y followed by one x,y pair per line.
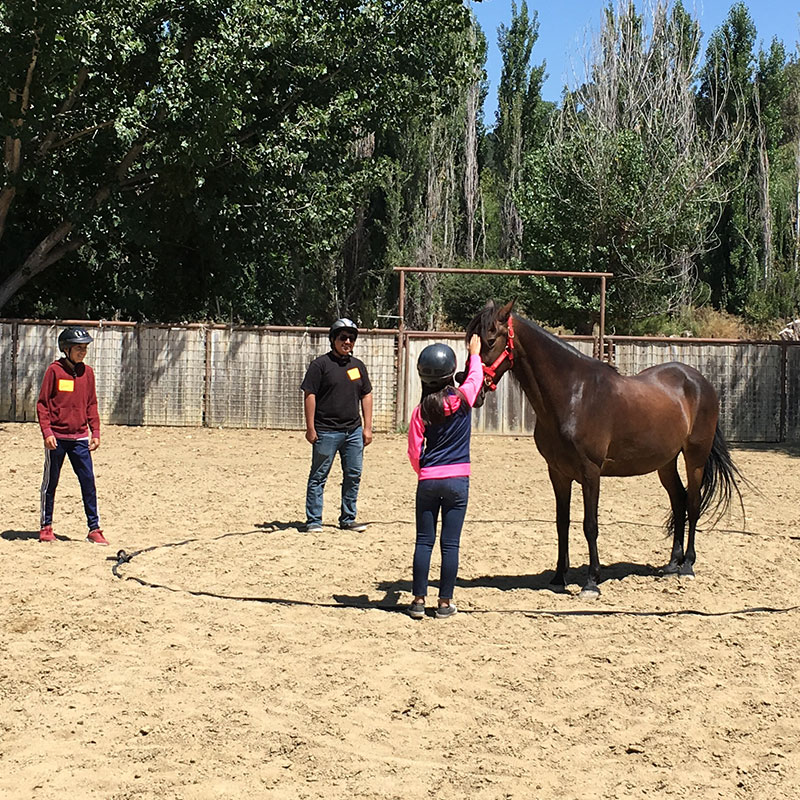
x,y
474,345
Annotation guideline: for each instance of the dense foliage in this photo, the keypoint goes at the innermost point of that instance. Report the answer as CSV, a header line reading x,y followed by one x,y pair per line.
x,y
241,160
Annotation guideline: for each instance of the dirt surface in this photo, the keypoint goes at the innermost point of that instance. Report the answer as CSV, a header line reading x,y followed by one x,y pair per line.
x,y
275,664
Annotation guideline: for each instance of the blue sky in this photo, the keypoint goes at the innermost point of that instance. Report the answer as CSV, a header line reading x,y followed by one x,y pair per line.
x,y
566,28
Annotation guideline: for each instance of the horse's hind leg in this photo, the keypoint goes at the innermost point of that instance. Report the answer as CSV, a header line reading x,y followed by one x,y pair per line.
x,y
671,481
562,486
694,479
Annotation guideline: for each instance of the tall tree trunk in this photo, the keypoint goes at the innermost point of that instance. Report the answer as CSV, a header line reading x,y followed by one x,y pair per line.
x,y
471,168
512,222
764,199
797,205
12,150
355,252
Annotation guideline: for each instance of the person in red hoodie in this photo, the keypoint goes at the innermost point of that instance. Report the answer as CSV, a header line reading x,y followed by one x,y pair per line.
x,y
67,411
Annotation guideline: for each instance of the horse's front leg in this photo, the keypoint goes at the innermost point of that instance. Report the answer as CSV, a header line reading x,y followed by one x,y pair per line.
x,y
591,496
562,486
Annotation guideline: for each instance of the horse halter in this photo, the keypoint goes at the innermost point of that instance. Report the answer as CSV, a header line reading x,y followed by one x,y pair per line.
x,y
490,372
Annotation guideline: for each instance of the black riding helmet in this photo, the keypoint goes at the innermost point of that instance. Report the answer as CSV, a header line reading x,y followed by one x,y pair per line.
x,y
69,337
343,324
436,365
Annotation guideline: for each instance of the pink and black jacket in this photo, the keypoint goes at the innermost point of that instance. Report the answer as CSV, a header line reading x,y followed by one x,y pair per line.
x,y
442,451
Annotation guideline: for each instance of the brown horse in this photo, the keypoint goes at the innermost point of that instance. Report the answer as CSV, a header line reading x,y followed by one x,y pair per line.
x,y
591,421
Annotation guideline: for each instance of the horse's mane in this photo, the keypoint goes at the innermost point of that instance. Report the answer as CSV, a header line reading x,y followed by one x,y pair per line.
x,y
483,320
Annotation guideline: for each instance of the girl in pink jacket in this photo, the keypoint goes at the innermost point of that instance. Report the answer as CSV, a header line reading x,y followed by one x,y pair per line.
x,y
438,448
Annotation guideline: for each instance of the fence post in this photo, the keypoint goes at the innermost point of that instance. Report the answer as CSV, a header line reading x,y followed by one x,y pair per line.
x,y
207,378
14,358
784,390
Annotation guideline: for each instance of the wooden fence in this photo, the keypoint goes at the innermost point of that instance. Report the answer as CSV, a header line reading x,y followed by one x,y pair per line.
x,y
249,377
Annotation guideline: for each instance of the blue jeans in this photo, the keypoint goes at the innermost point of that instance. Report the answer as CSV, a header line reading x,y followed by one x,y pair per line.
x,y
450,496
350,447
81,459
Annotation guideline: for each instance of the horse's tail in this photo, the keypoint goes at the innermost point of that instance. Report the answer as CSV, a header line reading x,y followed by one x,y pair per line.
x,y
721,478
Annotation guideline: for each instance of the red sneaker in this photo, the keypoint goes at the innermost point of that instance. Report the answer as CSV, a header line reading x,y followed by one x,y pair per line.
x,y
46,534
96,536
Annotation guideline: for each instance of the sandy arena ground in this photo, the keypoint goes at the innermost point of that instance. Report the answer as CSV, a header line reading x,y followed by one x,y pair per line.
x,y
272,664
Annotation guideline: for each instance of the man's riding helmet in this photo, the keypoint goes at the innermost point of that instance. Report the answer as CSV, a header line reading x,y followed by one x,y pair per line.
x,y
436,365
72,336
340,325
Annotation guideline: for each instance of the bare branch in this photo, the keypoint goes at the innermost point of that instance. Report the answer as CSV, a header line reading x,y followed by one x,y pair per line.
x,y
53,145
69,102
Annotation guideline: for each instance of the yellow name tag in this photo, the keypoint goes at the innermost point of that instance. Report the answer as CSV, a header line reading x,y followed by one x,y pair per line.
x,y
65,385
353,374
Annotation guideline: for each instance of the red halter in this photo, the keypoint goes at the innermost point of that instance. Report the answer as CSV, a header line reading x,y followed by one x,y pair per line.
x,y
508,353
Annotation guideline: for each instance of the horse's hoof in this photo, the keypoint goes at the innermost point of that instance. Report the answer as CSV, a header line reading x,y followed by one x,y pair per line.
x,y
687,571
670,569
557,588
589,593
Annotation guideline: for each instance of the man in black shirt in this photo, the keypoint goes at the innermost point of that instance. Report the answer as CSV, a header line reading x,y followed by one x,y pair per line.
x,y
337,391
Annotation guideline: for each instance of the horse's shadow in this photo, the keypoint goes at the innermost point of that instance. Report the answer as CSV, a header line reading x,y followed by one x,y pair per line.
x,y
535,582
393,590
542,580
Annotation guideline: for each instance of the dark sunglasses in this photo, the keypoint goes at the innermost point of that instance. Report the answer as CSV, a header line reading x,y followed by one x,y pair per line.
x,y
346,337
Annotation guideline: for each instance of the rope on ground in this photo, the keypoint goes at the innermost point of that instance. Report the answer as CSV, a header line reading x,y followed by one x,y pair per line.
x,y
125,558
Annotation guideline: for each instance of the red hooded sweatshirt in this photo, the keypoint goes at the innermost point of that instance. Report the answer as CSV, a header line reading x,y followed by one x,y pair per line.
x,y
68,401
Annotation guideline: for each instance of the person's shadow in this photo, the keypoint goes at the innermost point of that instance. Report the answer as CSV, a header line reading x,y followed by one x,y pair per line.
x,y
15,536
276,526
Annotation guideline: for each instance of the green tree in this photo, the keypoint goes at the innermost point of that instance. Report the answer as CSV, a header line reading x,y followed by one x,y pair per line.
x,y
624,182
520,117
207,157
731,268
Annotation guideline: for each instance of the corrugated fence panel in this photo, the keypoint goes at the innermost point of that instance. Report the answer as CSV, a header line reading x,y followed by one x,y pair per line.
x,y
37,347
746,377
793,393
256,375
6,370
379,354
114,355
241,379
172,375
156,375
145,376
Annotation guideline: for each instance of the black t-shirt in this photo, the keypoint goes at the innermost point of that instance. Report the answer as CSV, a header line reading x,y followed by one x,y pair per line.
x,y
339,384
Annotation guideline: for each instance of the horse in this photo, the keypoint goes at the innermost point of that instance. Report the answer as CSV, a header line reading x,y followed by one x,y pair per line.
x,y
593,422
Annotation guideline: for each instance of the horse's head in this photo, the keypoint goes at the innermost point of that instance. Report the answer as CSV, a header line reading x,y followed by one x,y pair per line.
x,y
492,325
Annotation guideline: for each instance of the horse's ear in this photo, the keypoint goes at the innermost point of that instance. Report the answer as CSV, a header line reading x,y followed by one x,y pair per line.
x,y
505,312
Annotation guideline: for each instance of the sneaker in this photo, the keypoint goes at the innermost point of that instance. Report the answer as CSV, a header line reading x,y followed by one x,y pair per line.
x,y
443,612
46,534
312,527
416,610
96,537
356,527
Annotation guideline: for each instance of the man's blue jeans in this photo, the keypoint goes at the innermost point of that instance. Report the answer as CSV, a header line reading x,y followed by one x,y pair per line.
x,y
448,496
350,447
